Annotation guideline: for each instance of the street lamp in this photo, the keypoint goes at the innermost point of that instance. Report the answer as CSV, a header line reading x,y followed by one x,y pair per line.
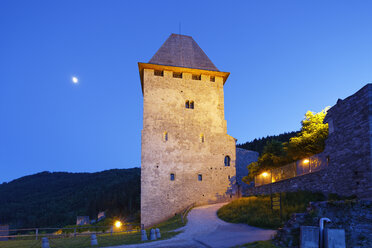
x,y
118,224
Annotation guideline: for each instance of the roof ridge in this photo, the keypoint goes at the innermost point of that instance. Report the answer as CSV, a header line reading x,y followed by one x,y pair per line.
x,y
182,51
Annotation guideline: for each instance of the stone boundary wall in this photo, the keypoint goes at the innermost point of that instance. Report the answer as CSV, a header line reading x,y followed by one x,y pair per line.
x,y
348,147
318,181
4,231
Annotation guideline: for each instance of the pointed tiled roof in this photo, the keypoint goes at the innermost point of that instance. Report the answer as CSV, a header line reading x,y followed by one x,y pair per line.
x,y
182,51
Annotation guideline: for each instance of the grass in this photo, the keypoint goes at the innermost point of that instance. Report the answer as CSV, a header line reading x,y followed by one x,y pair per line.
x,y
256,210
166,228
102,226
171,224
258,244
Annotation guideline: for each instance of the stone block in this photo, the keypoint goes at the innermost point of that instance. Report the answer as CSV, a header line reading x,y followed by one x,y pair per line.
x,y
334,238
309,237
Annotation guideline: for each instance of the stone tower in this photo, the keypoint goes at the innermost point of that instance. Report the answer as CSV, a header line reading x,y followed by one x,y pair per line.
x,y
187,156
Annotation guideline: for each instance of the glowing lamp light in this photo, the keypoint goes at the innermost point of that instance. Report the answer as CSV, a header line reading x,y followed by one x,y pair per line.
x,y
118,224
306,161
265,174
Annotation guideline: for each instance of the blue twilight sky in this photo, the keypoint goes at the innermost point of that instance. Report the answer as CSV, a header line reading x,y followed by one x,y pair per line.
x,y
285,57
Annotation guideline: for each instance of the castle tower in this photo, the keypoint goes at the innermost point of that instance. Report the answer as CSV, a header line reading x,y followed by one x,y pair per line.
x,y
187,156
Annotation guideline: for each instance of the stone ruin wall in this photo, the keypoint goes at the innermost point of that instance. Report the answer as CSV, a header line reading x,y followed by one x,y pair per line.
x,y
349,149
183,153
243,159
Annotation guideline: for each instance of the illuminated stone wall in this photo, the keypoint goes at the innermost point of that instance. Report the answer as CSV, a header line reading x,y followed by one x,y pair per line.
x,y
184,153
348,147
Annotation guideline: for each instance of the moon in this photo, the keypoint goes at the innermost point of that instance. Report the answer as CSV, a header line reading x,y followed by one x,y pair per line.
x,y
75,80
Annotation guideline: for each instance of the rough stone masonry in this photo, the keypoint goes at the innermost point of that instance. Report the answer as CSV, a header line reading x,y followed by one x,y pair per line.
x,y
187,156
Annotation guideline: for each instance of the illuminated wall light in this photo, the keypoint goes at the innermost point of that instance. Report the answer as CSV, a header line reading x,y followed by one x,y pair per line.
x,y
265,174
306,161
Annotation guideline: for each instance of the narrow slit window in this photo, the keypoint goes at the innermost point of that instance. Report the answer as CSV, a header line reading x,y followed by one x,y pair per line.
x,y
192,104
200,177
202,138
187,104
165,136
177,74
172,177
159,73
213,79
227,161
196,77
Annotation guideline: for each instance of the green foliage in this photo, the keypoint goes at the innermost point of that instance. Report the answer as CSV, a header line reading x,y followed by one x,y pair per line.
x,y
259,144
273,155
171,224
256,210
309,141
253,170
55,199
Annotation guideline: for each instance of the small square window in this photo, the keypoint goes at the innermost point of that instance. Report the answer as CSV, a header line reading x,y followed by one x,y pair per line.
x,y
196,77
172,177
165,136
213,79
159,73
177,74
201,138
200,177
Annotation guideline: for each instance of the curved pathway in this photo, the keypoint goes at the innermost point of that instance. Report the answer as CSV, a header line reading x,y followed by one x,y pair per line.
x,y
205,229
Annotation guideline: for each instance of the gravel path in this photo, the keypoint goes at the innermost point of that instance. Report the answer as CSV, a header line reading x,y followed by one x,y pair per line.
x,y
205,229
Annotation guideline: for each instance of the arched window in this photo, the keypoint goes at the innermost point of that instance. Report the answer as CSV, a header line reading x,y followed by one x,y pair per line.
x,y
200,177
165,136
192,104
187,104
172,177
201,138
227,161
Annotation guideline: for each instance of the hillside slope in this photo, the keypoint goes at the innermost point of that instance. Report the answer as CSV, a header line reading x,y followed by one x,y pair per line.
x,y
55,199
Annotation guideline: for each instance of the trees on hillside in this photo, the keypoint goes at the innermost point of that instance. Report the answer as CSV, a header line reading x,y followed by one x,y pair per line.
x,y
55,199
259,144
309,141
